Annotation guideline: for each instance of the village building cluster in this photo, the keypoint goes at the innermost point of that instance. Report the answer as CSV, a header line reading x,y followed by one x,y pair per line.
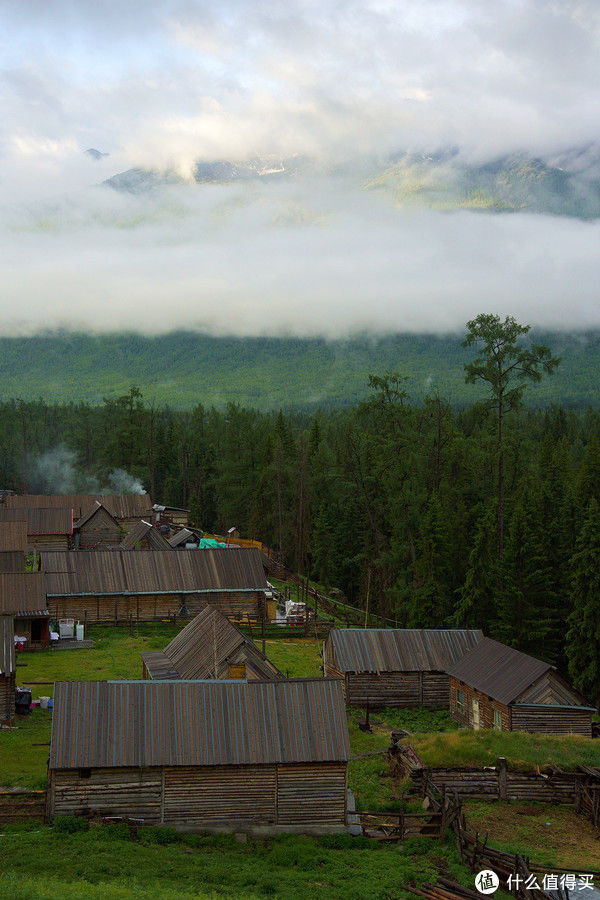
x,y
213,735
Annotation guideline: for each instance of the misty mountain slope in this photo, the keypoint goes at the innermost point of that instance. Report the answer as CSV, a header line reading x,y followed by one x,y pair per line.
x,y
566,185
183,369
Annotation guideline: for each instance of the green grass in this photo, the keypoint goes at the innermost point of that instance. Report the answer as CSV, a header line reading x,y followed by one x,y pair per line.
x,y
524,752
296,658
43,862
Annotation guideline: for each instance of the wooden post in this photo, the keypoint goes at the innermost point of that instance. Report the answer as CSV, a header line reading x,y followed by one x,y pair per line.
x,y
501,768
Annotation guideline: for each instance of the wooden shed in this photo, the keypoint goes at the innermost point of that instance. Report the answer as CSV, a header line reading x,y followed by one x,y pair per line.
x,y
109,586
495,686
97,529
174,515
395,666
210,646
48,528
202,755
126,508
7,670
23,597
144,536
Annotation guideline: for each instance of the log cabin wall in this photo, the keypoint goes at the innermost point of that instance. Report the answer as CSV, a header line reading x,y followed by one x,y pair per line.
x,y
99,532
40,542
298,797
397,689
7,699
462,708
552,720
237,606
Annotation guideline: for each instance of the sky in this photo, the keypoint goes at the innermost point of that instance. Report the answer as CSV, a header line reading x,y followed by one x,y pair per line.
x,y
162,84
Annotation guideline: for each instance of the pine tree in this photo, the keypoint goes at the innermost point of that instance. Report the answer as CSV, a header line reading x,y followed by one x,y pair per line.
x,y
476,606
583,637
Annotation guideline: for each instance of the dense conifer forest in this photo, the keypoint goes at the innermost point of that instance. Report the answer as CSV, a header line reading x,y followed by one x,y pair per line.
x,y
393,502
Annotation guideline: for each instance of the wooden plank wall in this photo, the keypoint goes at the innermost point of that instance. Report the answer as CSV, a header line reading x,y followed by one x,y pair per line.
x,y
487,707
311,796
552,721
507,785
7,699
152,607
398,689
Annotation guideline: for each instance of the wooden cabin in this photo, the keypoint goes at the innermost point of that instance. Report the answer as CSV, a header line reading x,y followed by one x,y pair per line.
x,y
97,529
127,509
23,597
262,757
495,686
395,666
173,515
144,536
110,586
7,670
48,528
210,646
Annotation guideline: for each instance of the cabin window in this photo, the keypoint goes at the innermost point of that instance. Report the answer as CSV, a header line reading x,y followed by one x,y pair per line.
x,y
460,701
85,773
497,720
236,671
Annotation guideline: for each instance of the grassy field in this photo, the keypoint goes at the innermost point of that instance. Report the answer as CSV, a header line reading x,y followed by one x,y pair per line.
x,y
560,837
44,862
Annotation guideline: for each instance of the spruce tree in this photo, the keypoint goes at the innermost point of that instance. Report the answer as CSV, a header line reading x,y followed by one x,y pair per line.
x,y
583,637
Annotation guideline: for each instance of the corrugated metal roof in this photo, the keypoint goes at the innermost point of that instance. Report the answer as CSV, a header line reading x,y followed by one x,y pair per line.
x,y
13,535
144,530
198,723
41,520
203,648
400,649
125,506
181,537
139,571
7,645
501,672
93,511
23,594
12,561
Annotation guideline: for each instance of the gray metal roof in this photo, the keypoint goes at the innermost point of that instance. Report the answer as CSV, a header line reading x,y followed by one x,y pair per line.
x,y
41,520
121,506
13,535
109,572
501,672
400,649
197,723
204,648
23,594
7,645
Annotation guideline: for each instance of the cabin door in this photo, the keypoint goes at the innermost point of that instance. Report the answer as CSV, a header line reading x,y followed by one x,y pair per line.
x,y
475,713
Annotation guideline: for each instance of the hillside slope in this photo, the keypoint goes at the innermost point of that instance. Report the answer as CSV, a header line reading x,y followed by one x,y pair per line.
x,y
183,369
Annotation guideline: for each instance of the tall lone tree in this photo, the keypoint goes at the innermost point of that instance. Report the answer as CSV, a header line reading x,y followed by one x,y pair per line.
x,y
505,366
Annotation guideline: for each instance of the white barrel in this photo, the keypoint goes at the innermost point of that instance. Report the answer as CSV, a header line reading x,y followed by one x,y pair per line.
x,y
79,631
44,702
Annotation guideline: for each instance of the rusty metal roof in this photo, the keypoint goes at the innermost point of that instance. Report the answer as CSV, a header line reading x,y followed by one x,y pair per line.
x,y
12,561
7,645
144,530
13,535
501,672
204,648
197,723
160,571
23,594
400,649
125,506
41,520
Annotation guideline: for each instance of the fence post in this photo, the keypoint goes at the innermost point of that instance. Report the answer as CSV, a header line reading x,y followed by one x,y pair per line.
x,y
502,778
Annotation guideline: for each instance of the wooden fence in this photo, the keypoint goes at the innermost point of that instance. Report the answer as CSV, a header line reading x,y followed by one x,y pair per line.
x,y
17,806
587,802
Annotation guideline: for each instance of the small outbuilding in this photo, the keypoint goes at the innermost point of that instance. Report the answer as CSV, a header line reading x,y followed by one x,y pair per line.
x,y
97,529
144,536
7,670
48,528
265,757
396,666
210,647
495,686
23,598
